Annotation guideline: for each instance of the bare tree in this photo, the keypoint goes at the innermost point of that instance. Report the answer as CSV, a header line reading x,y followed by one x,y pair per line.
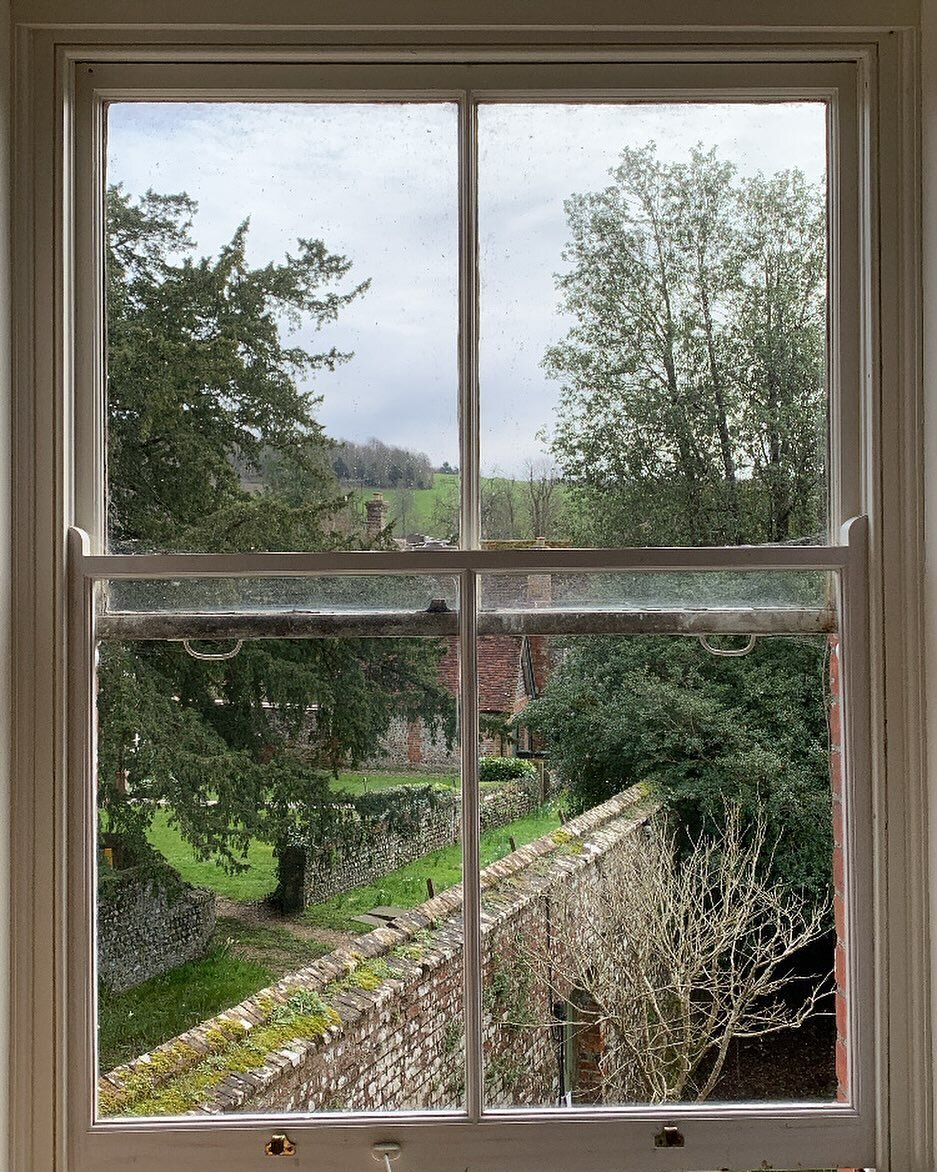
x,y
676,954
498,500
542,496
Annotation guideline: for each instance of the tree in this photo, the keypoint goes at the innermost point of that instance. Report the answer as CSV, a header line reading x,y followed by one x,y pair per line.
x,y
701,731
692,411
683,950
498,506
202,386
201,383
543,498
692,407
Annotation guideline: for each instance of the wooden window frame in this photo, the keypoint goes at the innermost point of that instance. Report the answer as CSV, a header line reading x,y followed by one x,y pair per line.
x,y
54,496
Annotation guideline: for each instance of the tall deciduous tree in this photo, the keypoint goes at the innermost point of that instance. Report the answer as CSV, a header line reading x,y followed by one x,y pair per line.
x,y
692,407
203,390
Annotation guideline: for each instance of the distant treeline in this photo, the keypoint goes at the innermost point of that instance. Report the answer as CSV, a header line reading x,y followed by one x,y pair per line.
x,y
374,464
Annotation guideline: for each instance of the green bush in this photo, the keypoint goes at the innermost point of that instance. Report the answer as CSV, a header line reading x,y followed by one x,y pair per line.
x,y
506,769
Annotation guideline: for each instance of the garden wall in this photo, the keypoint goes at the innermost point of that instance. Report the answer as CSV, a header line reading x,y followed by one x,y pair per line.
x,y
380,1026
149,921
359,847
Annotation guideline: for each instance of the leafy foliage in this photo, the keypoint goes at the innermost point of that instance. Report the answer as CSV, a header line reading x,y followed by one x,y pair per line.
x,y
692,406
692,411
379,465
703,732
506,769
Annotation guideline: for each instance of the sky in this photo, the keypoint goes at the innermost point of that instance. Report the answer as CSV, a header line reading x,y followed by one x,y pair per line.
x,y
377,183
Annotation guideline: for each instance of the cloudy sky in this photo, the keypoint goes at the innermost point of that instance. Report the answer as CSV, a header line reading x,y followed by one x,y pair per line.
x,y
377,183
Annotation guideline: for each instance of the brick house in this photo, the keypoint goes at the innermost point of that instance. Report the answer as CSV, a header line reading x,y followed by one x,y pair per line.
x,y
512,671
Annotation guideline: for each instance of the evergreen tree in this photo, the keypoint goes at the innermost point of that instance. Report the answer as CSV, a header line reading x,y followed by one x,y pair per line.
x,y
203,389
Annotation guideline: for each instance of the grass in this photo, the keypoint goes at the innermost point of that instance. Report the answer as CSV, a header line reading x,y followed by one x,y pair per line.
x,y
132,1023
242,959
261,877
275,948
253,884
421,510
406,887
245,957
420,504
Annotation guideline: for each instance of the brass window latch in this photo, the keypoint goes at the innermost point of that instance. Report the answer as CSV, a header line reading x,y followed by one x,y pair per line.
x,y
669,1137
280,1145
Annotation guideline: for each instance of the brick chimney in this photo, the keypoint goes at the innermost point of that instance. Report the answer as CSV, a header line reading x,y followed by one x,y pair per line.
x,y
377,516
539,586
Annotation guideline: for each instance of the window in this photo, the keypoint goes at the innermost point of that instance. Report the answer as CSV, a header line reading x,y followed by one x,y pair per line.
x,y
740,1134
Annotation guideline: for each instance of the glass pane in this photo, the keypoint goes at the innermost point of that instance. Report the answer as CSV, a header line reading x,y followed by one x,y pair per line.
x,y
282,302
330,595
767,591
670,935
653,322
279,899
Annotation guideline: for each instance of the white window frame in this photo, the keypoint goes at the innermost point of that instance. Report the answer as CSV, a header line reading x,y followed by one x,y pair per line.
x,y
55,495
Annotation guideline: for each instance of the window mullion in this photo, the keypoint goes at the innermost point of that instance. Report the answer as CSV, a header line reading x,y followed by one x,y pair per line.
x,y
471,890
469,478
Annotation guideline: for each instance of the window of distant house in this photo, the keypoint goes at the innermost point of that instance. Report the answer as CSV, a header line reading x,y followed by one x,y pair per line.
x,y
478,730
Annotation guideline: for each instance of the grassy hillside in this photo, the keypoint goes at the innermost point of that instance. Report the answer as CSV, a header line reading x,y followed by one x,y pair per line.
x,y
434,511
419,510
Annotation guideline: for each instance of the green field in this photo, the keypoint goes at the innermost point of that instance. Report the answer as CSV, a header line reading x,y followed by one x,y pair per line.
x,y
434,511
242,959
422,510
261,877
255,883
246,956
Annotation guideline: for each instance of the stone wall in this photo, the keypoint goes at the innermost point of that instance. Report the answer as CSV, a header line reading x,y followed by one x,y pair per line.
x,y
359,850
410,745
380,1026
149,921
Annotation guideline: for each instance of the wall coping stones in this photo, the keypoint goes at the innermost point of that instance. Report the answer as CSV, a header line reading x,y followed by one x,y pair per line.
x,y
507,885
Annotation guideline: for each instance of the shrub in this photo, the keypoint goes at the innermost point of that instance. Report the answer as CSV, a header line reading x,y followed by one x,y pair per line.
x,y
506,769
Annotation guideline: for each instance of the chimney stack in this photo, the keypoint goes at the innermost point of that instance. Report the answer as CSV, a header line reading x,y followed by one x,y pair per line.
x,y
539,586
377,516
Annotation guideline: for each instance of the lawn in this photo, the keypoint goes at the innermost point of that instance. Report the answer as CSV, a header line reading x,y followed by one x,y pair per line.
x,y
261,877
242,959
420,511
255,883
406,887
435,510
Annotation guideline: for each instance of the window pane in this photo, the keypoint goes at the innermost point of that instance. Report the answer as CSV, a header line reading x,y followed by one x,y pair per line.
x,y
670,936
768,591
382,594
279,900
282,302
653,309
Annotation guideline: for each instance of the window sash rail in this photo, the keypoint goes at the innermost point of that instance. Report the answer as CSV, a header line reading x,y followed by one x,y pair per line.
x,y
395,624
363,563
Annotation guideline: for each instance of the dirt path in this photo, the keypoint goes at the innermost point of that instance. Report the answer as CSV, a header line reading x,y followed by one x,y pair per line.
x,y
260,914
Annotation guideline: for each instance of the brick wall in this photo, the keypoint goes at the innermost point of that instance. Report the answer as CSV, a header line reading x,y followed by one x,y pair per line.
x,y
392,1037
